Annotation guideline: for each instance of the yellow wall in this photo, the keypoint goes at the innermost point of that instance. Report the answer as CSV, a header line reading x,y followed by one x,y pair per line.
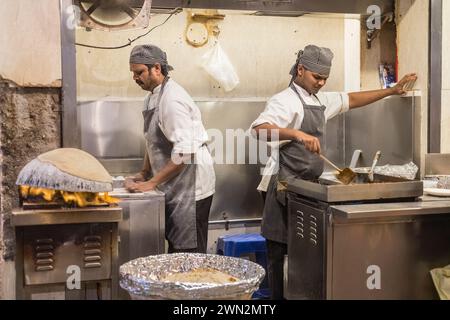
x,y
30,45
412,40
412,43
382,50
262,49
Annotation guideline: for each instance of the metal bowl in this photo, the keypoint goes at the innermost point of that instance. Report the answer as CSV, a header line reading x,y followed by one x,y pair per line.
x,y
143,278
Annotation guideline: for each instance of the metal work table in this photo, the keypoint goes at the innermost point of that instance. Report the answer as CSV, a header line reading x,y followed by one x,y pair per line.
x,y
428,205
375,241
20,218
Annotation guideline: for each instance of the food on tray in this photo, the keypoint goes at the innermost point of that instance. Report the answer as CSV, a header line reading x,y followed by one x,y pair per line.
x,y
201,275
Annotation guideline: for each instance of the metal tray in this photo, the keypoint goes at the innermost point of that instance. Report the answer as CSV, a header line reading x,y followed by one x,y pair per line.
x,y
383,187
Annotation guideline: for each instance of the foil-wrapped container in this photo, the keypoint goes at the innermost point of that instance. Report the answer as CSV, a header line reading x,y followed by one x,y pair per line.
x,y
143,278
406,171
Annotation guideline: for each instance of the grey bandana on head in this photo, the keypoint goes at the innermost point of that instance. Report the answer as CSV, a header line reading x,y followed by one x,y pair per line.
x,y
149,54
315,59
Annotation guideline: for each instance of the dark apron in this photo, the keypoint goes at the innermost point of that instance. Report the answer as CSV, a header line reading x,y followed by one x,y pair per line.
x,y
181,229
295,162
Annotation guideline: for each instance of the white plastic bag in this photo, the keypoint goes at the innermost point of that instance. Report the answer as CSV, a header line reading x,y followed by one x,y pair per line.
x,y
216,63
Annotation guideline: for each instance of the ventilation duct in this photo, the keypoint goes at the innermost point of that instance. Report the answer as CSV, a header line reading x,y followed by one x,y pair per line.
x,y
282,6
110,15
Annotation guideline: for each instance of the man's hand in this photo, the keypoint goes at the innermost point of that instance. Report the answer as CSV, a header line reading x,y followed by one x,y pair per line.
x,y
311,143
130,182
363,98
405,83
143,186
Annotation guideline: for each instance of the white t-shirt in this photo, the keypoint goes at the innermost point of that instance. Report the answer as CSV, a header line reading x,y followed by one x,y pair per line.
x,y
181,122
285,110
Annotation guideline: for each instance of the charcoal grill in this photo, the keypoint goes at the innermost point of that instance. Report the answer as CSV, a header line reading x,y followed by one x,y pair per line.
x,y
66,228
55,245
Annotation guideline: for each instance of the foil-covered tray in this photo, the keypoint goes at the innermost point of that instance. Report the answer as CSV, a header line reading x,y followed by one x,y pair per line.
x,y
143,278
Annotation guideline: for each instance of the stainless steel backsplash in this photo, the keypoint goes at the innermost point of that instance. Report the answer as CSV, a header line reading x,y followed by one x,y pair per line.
x,y
112,132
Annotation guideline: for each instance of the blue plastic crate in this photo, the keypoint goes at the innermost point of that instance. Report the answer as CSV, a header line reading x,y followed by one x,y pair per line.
x,y
239,245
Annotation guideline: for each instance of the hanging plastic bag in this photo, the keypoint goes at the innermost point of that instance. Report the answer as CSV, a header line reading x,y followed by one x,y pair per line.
x,y
216,63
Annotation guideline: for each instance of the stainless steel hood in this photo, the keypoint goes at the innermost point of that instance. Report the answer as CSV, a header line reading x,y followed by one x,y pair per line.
x,y
319,6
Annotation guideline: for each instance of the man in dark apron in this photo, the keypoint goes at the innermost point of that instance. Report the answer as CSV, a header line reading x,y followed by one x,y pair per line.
x,y
174,138
290,117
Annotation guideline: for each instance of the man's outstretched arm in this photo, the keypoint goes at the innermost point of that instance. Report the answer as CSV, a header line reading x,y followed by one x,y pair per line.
x,y
363,98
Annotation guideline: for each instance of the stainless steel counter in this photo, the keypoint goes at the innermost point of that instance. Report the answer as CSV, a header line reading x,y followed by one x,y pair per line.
x,y
366,251
428,206
142,228
20,218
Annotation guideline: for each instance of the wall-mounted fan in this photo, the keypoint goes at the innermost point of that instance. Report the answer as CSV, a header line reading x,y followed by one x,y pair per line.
x,y
112,15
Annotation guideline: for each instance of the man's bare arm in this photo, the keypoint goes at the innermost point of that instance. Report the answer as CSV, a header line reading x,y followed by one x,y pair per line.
x,y
270,132
363,98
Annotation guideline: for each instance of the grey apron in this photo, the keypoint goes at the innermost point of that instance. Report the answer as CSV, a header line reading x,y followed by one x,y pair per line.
x,y
295,162
181,229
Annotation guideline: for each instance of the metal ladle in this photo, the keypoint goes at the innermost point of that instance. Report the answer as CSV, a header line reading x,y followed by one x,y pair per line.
x,y
374,163
345,175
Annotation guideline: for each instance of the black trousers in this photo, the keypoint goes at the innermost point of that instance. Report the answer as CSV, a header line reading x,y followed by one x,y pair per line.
x,y
202,209
275,262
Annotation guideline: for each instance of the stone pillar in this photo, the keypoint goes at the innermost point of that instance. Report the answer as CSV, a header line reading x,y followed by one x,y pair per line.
x,y
30,125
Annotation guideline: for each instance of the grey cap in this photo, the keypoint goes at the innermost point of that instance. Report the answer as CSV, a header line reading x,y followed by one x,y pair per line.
x,y
315,59
149,54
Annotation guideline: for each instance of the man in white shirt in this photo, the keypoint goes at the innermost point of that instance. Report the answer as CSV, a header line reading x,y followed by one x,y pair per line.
x,y
177,160
297,117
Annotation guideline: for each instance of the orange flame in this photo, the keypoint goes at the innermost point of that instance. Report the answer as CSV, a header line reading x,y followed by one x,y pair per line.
x,y
80,199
